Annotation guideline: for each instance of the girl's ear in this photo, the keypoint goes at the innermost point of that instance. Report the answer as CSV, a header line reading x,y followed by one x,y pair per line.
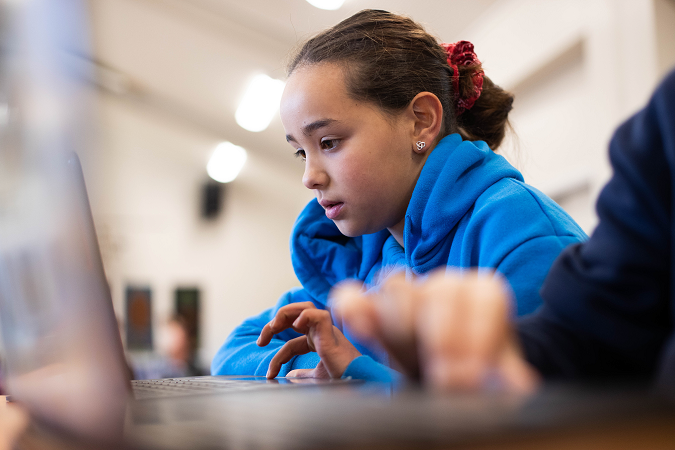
x,y
426,112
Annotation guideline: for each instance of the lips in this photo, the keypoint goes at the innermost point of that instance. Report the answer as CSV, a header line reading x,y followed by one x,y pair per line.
x,y
332,208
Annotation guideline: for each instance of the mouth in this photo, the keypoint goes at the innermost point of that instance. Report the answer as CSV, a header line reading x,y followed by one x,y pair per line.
x,y
332,208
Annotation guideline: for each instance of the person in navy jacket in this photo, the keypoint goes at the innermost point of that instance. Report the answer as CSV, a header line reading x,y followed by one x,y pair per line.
x,y
608,304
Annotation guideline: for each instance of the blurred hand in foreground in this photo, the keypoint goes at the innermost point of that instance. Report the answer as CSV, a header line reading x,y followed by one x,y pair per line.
x,y
13,422
320,335
452,331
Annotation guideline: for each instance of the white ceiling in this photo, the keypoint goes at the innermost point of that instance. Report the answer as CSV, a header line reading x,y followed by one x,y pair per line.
x,y
191,60
291,20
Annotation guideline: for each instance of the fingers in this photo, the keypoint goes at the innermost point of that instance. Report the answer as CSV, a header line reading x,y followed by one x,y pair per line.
x,y
396,305
301,373
440,328
334,349
318,372
316,323
386,316
297,346
321,336
463,327
355,309
282,320
475,304
453,327
396,308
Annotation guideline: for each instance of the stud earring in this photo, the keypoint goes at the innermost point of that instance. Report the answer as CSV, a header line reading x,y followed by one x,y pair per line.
x,y
420,145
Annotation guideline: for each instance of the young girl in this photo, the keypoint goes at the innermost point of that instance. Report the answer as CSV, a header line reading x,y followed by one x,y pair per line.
x,y
396,133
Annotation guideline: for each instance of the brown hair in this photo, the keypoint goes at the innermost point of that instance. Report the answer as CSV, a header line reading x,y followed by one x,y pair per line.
x,y
388,59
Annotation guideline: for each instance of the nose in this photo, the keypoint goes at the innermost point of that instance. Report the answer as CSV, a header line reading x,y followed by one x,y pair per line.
x,y
315,177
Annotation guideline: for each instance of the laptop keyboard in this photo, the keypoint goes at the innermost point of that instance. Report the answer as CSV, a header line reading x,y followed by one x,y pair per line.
x,y
172,387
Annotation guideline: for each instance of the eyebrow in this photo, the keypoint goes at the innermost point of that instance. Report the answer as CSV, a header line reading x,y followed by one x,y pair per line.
x,y
312,127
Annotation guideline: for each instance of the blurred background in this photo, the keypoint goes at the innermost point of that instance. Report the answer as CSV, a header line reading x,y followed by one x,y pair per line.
x,y
188,258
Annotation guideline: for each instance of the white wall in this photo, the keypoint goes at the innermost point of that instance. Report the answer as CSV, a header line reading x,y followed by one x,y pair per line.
x,y
176,103
578,68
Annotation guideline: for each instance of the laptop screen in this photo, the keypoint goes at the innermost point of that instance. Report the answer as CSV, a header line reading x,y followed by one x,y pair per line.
x,y
61,343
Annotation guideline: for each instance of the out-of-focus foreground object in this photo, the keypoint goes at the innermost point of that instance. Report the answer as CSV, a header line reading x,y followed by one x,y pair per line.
x,y
449,330
13,422
52,286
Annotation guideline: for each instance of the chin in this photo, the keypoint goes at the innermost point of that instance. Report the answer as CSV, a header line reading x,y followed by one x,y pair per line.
x,y
351,230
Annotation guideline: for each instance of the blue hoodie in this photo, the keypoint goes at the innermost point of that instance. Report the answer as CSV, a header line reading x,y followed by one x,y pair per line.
x,y
470,208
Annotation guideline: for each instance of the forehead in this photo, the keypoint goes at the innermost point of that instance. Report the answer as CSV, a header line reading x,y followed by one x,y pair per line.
x,y
316,89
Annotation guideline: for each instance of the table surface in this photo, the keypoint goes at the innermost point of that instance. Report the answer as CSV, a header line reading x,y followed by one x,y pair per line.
x,y
420,421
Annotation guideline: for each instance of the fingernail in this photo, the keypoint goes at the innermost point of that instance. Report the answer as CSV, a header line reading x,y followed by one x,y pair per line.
x,y
258,341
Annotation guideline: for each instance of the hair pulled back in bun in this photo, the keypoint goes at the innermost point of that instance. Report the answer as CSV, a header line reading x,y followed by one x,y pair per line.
x,y
388,59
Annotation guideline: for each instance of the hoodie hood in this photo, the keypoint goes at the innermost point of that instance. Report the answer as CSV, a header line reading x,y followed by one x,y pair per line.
x,y
455,174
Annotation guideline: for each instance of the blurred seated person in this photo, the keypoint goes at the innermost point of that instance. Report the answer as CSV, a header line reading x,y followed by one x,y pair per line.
x,y
176,357
608,304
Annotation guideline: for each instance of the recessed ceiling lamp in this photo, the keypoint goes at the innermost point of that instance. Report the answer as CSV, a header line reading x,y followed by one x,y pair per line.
x,y
260,102
226,162
326,4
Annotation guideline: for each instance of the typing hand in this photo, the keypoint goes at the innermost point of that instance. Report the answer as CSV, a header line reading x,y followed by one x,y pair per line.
x,y
452,330
319,371
320,335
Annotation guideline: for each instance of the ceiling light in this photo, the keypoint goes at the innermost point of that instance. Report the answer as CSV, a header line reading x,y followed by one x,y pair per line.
x,y
260,102
226,162
326,4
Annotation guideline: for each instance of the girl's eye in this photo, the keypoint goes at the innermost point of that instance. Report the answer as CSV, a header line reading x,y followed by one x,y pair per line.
x,y
300,154
329,144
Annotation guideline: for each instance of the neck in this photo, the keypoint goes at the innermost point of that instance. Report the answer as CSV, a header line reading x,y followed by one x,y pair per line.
x,y
397,232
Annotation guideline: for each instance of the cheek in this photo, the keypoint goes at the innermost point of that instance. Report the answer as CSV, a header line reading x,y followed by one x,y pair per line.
x,y
375,190
377,170
361,177
347,167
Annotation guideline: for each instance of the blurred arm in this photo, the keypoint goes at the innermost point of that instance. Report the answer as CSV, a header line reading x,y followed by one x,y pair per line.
x,y
607,306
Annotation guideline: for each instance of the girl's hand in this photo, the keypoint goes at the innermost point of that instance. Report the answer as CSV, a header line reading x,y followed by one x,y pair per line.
x,y
321,336
453,330
318,372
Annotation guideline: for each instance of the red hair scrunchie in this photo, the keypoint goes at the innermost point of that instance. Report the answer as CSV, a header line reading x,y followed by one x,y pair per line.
x,y
461,54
